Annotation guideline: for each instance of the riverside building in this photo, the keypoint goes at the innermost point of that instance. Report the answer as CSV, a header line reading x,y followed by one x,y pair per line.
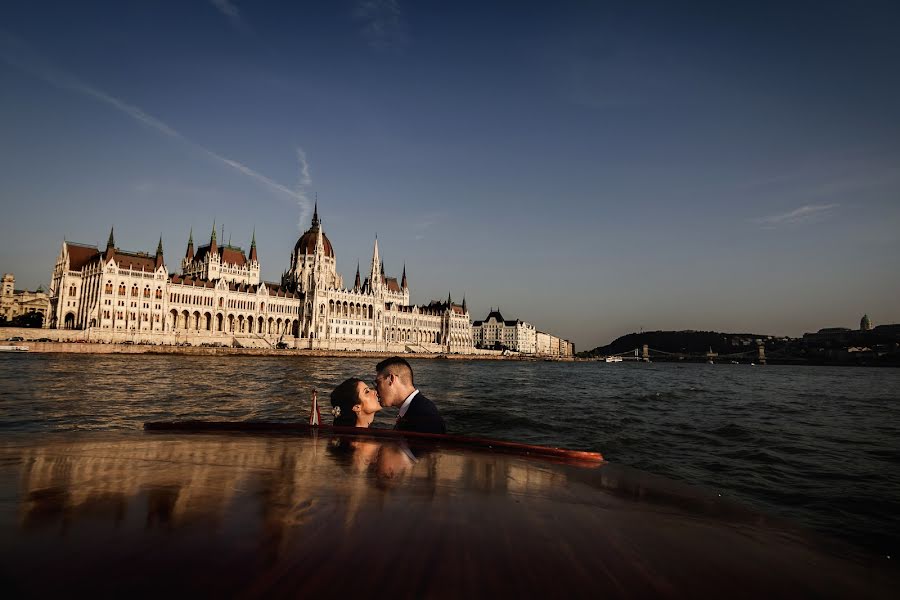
x,y
495,332
15,303
219,298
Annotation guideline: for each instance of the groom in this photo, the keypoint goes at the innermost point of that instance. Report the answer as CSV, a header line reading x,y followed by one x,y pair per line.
x,y
396,387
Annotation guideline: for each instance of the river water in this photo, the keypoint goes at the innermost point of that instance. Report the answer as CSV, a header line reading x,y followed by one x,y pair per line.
x,y
819,446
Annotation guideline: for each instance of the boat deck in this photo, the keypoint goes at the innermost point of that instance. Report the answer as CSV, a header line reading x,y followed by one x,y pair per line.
x,y
301,511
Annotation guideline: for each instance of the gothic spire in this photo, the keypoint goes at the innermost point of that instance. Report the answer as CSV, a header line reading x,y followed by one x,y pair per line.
x,y
253,247
356,284
189,254
373,278
159,253
403,281
315,219
110,245
213,248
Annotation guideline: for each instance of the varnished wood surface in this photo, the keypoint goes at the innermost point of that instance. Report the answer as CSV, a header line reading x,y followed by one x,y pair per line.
x,y
324,513
438,440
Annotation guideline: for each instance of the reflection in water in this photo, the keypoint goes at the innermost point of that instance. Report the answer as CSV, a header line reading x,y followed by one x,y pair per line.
x,y
283,515
191,479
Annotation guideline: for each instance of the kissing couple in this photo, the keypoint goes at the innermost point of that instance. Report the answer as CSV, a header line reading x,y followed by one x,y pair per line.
x,y
354,403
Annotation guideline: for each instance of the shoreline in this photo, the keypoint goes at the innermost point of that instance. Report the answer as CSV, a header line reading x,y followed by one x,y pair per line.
x,y
114,348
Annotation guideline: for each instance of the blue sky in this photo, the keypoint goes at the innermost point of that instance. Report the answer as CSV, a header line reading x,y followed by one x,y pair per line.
x,y
592,167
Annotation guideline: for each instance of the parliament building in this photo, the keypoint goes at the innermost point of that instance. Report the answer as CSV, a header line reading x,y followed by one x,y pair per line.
x,y
218,298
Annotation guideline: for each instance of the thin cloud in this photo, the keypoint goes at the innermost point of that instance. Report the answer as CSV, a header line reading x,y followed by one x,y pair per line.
x,y
424,224
383,25
803,214
302,186
19,56
231,12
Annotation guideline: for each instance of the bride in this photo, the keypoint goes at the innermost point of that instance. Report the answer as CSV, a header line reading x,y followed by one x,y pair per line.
x,y
354,404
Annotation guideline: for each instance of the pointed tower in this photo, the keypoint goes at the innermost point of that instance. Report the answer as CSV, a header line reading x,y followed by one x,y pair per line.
x,y
465,309
253,267
315,219
189,255
403,281
213,248
159,254
375,273
110,245
356,284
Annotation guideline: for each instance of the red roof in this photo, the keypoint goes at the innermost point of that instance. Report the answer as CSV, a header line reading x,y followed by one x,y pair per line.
x,y
80,255
227,254
391,283
307,243
134,261
194,282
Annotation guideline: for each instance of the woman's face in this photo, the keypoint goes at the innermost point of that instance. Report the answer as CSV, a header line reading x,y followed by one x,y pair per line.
x,y
368,399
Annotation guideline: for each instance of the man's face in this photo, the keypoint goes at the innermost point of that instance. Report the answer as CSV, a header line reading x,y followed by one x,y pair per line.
x,y
384,386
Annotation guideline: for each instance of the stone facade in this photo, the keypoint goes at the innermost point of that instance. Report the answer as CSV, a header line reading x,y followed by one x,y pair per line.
x,y
219,298
496,332
552,346
518,336
15,303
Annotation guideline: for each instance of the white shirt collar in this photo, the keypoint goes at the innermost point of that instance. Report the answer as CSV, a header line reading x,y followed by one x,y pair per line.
x,y
405,406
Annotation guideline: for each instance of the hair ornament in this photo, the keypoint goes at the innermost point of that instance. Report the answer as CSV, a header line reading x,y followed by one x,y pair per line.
x,y
336,411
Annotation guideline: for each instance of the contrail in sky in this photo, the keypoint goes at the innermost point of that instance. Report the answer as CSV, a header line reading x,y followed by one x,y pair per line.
x,y
19,56
304,182
798,215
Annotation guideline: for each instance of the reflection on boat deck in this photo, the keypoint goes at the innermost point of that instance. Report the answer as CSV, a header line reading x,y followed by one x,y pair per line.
x,y
247,515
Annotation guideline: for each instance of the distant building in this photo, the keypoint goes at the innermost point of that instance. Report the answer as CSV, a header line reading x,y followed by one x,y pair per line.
x,y
550,345
518,336
218,297
865,324
496,332
15,303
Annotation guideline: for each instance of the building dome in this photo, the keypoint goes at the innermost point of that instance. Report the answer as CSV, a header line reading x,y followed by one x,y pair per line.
x,y
307,242
865,324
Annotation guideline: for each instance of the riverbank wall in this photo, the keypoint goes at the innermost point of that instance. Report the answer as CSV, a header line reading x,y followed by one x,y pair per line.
x,y
93,348
78,342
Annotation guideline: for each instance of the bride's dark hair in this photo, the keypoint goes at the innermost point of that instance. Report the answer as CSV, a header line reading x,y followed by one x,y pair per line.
x,y
344,397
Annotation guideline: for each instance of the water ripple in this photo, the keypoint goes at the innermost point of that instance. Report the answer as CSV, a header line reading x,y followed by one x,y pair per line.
x,y
814,444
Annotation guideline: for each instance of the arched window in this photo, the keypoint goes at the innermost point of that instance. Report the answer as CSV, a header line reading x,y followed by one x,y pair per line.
x,y
108,288
121,289
158,293
147,291
134,291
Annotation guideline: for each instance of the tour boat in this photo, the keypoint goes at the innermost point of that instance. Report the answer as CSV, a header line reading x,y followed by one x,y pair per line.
x,y
613,359
13,348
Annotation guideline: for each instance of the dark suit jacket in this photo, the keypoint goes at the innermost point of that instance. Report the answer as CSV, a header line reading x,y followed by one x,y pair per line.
x,y
422,416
